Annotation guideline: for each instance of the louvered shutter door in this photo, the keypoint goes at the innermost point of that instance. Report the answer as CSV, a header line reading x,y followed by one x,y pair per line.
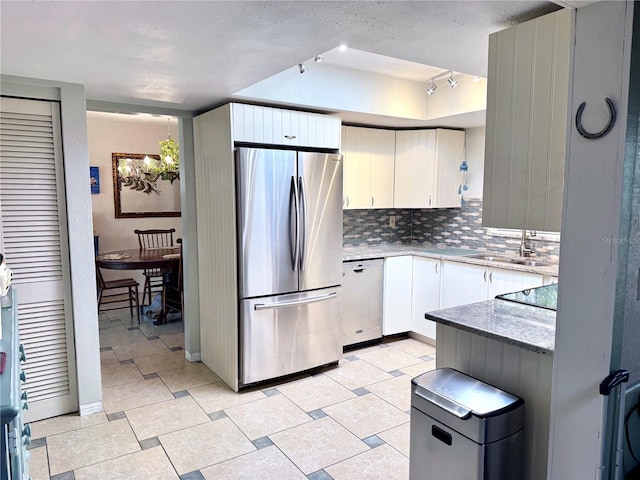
x,y
33,238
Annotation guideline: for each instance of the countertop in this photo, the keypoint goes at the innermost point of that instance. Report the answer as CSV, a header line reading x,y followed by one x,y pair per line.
x,y
524,326
461,254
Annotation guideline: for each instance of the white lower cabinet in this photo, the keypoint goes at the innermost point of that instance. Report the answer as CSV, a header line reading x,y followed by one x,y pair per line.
x,y
425,295
415,285
464,283
396,303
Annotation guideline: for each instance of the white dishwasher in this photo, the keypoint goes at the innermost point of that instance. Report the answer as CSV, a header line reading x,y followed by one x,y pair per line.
x,y
362,301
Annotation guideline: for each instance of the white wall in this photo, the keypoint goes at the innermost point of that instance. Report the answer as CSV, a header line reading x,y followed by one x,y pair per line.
x,y
349,90
124,133
467,96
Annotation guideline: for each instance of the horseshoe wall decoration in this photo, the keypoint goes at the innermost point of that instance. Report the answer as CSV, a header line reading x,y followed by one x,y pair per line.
x,y
605,130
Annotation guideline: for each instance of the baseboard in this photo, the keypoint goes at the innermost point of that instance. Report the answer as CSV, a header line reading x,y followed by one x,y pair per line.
x,y
91,408
422,338
192,357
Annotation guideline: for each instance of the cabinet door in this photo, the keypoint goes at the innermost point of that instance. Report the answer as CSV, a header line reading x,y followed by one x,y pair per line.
x,y
448,179
425,296
414,169
277,126
383,146
506,281
358,167
396,311
463,284
324,130
527,96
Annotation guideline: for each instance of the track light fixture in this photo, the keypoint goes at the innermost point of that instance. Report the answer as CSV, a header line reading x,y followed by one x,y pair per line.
x,y
318,59
302,68
432,82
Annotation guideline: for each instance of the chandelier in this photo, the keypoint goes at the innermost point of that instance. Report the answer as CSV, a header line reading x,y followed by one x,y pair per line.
x,y
142,172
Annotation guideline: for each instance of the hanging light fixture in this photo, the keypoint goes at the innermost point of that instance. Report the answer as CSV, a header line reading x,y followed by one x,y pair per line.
x,y
318,59
140,172
302,68
432,88
169,168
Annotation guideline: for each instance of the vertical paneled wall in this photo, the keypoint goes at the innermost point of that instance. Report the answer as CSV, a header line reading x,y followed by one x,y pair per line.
x,y
515,370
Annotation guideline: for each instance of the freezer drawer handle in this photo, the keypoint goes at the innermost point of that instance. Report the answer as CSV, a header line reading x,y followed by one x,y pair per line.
x,y
444,403
262,306
441,435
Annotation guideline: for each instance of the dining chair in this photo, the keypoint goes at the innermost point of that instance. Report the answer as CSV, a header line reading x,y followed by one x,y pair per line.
x,y
153,277
172,291
123,289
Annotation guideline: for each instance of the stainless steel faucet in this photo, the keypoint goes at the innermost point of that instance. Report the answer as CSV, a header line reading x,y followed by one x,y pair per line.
x,y
527,248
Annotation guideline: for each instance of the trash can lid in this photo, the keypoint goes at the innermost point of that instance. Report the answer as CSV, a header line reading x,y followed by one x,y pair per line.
x,y
467,393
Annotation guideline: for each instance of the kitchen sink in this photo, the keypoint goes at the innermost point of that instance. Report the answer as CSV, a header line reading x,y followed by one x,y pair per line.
x,y
517,261
490,258
530,263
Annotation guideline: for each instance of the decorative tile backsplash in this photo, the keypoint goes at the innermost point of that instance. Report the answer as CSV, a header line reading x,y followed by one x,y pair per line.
x,y
445,227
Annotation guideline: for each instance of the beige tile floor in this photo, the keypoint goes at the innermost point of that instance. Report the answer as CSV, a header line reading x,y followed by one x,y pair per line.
x,y
166,418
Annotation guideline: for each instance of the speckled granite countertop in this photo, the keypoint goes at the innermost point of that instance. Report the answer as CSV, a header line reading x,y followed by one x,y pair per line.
x,y
523,326
453,254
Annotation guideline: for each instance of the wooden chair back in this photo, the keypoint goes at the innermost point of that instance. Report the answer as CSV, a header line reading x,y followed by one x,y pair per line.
x,y
155,238
100,279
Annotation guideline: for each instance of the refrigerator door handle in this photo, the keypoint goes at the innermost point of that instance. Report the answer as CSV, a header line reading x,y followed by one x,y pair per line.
x,y
295,228
320,298
303,201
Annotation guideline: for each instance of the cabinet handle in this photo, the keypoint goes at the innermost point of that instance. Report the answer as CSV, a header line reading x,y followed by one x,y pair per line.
x,y
429,200
485,275
436,268
490,277
347,200
372,200
289,137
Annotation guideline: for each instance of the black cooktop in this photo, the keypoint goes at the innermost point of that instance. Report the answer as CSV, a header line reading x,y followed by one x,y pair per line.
x,y
543,297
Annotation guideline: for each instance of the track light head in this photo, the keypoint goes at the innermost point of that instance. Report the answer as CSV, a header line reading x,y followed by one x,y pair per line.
x,y
302,68
318,59
452,82
431,90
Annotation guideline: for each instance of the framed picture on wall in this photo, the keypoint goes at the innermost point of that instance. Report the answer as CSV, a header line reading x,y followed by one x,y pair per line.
x,y
94,175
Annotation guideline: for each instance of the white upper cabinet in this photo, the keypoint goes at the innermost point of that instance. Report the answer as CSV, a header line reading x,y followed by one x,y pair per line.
x,y
427,168
527,95
368,167
276,126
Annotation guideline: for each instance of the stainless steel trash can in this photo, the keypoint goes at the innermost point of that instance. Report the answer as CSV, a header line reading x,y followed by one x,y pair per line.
x,y
462,428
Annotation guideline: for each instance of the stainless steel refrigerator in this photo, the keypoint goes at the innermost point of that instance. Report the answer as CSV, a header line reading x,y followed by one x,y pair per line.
x,y
289,207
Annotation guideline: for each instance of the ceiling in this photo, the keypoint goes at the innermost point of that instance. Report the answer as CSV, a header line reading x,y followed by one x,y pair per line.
x,y
193,56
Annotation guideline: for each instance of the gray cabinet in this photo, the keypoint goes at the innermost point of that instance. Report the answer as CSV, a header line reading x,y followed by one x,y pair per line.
x,y
527,97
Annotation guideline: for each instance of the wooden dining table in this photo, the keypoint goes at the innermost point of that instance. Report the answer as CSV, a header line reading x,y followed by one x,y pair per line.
x,y
165,258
